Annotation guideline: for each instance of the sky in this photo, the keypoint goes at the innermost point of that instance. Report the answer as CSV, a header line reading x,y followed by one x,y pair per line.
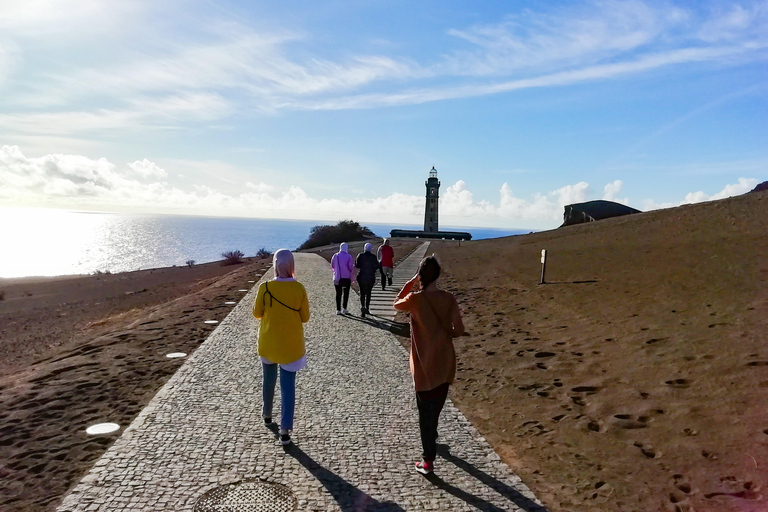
x,y
338,109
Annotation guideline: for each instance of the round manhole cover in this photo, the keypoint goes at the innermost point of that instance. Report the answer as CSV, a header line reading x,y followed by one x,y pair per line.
x,y
247,496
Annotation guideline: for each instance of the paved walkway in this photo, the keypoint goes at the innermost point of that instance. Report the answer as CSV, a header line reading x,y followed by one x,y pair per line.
x,y
201,445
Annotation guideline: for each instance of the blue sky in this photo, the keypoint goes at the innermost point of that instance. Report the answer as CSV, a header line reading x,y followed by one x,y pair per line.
x,y
332,110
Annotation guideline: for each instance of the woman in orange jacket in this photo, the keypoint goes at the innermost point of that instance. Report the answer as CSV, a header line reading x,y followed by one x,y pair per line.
x,y
435,321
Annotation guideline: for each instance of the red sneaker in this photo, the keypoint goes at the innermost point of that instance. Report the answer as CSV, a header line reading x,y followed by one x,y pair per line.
x,y
424,467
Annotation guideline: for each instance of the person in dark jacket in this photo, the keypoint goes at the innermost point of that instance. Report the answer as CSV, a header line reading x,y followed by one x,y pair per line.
x,y
367,265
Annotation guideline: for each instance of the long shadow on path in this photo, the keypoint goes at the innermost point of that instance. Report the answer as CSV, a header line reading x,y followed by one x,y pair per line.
x,y
505,490
398,328
349,497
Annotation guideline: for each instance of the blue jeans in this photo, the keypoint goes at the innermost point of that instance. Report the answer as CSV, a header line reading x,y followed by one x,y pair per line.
x,y
287,394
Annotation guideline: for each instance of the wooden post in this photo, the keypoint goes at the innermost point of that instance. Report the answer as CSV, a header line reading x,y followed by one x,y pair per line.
x,y
543,264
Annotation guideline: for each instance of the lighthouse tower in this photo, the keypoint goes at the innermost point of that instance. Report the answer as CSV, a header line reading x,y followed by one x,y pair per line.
x,y
430,210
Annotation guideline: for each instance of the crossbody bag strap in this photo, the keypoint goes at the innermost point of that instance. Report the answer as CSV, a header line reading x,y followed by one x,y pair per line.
x,y
272,297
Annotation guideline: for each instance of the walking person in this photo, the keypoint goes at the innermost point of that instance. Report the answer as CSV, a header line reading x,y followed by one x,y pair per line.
x,y
386,257
435,321
343,275
367,265
283,308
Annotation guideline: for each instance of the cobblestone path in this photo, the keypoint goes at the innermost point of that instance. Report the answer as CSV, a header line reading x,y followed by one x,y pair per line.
x,y
356,431
381,300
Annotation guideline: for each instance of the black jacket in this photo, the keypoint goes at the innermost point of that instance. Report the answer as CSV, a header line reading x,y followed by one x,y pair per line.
x,y
368,265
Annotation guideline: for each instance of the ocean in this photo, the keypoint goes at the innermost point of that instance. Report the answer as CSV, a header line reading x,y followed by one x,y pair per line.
x,y
48,242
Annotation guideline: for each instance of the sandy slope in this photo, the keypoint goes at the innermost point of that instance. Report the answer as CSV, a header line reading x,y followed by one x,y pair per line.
x,y
637,377
88,349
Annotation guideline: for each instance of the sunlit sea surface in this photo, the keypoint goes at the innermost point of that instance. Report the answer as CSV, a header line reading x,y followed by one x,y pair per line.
x,y
48,242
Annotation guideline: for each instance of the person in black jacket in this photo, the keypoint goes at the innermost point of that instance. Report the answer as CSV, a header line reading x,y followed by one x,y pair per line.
x,y
367,265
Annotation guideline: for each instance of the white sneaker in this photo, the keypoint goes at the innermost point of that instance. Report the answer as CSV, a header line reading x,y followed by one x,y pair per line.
x,y
338,312
345,311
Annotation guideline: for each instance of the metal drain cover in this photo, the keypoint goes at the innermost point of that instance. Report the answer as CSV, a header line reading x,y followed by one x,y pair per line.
x,y
247,496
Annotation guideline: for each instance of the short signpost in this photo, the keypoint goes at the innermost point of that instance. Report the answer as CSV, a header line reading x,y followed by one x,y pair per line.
x,y
543,264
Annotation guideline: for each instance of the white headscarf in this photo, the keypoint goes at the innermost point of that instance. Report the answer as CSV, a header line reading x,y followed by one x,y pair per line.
x,y
283,262
344,247
368,247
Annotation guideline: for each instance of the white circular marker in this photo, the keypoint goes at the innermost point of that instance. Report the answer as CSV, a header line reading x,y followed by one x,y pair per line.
x,y
174,355
211,322
102,428
230,302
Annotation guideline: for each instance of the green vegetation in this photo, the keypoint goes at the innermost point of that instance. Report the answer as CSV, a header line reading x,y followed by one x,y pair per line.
x,y
190,263
344,231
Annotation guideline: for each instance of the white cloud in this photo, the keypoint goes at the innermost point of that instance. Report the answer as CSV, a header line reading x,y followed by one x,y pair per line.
x,y
650,204
74,180
259,187
612,189
744,185
146,169
570,194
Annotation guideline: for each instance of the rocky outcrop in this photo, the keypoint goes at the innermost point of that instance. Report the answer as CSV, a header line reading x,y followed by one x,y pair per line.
x,y
761,187
590,211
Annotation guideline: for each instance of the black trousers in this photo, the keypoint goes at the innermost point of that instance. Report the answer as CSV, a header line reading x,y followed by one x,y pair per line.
x,y
365,294
342,288
430,403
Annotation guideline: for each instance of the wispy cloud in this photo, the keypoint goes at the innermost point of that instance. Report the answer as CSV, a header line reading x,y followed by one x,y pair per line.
x,y
208,71
599,72
580,35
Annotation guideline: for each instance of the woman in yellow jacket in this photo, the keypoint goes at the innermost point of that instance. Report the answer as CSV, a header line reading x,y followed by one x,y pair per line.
x,y
282,306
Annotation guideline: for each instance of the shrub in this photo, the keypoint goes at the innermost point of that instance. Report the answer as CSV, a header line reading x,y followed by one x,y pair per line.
x,y
232,257
263,253
344,231
190,263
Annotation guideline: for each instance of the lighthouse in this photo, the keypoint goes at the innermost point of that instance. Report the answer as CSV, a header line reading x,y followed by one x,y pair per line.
x,y
431,229
430,209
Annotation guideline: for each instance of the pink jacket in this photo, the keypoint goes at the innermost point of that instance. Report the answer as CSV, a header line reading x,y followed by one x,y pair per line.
x,y
343,264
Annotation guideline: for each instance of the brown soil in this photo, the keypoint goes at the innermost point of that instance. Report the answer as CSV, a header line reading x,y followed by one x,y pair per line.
x,y
81,350
634,380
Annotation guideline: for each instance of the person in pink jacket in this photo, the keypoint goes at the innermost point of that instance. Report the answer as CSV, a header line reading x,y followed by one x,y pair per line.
x,y
343,266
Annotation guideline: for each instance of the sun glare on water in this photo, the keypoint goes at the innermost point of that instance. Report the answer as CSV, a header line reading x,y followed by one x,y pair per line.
x,y
48,242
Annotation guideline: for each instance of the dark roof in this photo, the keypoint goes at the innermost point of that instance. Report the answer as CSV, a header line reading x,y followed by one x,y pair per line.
x,y
447,235
594,210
